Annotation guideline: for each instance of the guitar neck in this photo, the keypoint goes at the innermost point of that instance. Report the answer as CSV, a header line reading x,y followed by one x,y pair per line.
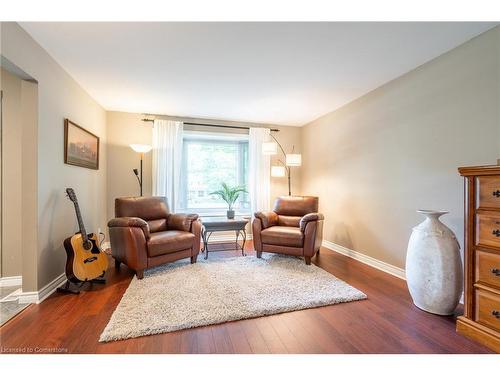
x,y
80,222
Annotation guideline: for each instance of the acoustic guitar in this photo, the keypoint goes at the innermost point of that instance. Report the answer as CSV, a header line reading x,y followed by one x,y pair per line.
x,y
85,260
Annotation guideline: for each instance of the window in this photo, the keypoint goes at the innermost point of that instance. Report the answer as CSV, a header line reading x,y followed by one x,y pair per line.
x,y
208,160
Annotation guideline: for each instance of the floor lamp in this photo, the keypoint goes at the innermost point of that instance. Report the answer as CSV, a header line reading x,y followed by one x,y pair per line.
x,y
141,149
291,160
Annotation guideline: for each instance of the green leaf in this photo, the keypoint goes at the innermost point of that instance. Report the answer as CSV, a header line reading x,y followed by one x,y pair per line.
x,y
229,194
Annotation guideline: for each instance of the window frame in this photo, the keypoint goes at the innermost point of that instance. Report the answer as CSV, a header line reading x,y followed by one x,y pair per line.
x,y
219,138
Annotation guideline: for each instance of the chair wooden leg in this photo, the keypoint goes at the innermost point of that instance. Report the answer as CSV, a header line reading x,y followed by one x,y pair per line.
x,y
140,274
259,254
308,260
193,259
117,263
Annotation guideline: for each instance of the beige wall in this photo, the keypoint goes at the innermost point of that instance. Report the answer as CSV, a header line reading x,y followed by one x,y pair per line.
x,y
18,180
59,96
126,128
289,137
29,191
397,149
11,260
19,185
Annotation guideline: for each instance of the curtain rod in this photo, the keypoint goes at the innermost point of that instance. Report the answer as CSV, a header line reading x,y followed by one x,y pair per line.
x,y
212,125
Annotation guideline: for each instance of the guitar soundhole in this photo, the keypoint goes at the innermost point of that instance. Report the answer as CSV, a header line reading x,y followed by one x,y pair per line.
x,y
90,260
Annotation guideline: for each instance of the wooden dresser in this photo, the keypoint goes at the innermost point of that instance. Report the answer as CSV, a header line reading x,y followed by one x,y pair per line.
x,y
481,319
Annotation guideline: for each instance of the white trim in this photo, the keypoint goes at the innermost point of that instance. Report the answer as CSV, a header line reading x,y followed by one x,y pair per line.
x,y
28,297
372,262
51,287
11,281
42,294
375,263
12,296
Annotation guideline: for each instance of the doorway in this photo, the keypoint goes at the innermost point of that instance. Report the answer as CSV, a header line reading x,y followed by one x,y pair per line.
x,y
18,110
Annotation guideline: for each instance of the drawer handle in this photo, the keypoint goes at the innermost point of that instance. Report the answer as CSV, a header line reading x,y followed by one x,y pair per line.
x,y
496,314
496,193
495,271
496,232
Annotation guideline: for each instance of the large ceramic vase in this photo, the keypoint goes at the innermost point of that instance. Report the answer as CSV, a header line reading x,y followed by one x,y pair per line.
x,y
434,266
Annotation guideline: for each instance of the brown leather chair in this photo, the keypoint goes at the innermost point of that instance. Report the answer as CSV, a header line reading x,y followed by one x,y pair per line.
x,y
145,234
293,227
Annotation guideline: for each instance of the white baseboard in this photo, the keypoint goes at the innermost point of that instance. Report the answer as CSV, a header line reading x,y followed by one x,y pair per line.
x,y
12,296
28,297
375,263
42,294
51,287
11,281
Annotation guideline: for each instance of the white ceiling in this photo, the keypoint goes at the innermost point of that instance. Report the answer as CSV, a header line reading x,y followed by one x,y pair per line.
x,y
276,73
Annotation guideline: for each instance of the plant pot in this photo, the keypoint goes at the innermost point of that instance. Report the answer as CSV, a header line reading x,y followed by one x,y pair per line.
x,y
434,266
230,214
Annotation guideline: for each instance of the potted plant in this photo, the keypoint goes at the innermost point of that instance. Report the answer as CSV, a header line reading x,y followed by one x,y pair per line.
x,y
229,195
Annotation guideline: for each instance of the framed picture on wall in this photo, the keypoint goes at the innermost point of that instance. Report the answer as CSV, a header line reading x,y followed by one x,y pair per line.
x,y
81,147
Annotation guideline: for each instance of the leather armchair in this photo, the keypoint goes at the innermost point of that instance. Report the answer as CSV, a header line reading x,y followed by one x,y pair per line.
x,y
293,227
145,234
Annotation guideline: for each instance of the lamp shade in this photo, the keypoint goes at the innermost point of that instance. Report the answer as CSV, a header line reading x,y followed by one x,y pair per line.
x,y
269,148
278,171
141,148
293,160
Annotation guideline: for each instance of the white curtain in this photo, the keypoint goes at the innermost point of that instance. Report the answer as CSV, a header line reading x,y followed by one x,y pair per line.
x,y
259,170
167,160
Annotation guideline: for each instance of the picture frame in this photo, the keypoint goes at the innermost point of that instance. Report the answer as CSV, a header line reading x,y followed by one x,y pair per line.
x,y
81,147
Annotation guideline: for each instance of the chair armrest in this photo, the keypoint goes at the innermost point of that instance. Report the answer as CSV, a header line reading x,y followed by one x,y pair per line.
x,y
181,221
196,230
267,218
126,222
308,218
313,236
257,240
129,245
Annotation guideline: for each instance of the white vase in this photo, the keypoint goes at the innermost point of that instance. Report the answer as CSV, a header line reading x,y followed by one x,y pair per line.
x,y
434,266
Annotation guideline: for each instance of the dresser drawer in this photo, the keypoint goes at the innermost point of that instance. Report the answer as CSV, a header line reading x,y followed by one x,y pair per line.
x,y
487,309
488,192
488,268
488,229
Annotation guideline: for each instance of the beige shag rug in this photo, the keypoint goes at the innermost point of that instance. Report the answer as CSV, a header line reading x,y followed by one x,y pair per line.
x,y
182,295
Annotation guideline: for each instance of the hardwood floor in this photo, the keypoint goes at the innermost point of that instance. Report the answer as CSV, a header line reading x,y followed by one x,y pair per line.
x,y
387,322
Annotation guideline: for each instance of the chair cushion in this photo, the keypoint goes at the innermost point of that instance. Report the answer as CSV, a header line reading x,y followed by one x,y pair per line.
x,y
158,225
295,205
147,208
284,236
169,241
289,221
